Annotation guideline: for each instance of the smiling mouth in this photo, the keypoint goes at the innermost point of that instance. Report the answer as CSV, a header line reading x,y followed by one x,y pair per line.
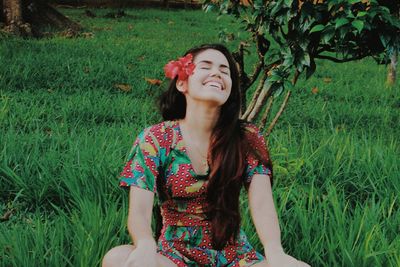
x,y
215,85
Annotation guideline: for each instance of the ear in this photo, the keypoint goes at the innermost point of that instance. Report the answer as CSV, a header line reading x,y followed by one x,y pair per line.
x,y
181,86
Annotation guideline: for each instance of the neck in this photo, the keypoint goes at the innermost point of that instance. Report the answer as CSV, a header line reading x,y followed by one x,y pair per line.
x,y
200,120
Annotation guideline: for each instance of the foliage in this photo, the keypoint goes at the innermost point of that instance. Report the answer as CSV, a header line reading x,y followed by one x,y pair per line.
x,y
337,30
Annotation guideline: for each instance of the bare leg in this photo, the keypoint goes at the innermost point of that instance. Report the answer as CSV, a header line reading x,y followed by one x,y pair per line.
x,y
261,264
117,256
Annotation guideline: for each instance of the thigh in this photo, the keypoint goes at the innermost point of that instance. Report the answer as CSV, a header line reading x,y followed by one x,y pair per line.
x,y
260,264
164,261
117,256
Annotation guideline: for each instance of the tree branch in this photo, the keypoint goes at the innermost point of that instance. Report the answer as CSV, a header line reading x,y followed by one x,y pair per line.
x,y
239,59
262,46
255,96
337,60
266,112
242,74
295,77
255,74
282,108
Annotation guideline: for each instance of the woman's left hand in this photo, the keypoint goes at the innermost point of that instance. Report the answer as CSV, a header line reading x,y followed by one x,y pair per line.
x,y
281,259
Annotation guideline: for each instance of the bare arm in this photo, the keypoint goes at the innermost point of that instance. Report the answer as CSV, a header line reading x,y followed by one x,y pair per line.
x,y
139,216
263,212
266,221
139,227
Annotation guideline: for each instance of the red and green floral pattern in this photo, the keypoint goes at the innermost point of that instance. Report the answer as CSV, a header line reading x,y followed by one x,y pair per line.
x,y
159,153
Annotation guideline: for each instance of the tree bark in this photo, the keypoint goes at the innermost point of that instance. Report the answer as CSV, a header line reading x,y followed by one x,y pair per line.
x,y
255,96
25,17
282,108
394,7
391,76
12,15
261,100
266,112
12,11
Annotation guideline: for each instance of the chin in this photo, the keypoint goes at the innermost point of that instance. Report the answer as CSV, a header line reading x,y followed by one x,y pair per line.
x,y
219,99
215,101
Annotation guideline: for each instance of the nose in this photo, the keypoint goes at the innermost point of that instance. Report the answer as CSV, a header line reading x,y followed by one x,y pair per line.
x,y
215,72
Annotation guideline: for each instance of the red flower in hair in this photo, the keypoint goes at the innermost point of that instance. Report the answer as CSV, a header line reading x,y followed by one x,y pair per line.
x,y
182,68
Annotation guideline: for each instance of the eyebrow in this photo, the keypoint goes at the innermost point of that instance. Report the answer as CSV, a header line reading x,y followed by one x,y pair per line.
x,y
210,62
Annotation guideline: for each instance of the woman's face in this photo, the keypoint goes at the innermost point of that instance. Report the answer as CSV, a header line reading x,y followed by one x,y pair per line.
x,y
211,80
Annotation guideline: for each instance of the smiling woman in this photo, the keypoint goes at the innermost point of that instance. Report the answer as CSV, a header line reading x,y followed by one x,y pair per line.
x,y
196,161
211,72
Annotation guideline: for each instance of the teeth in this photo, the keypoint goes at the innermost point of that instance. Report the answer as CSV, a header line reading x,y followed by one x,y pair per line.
x,y
215,84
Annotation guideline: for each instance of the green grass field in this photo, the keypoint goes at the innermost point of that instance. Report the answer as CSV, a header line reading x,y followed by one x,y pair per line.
x,y
66,129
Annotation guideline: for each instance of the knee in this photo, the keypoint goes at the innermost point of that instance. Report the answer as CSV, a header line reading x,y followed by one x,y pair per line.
x,y
116,256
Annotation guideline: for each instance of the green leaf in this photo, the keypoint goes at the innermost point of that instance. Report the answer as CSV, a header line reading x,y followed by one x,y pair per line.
x,y
306,60
317,28
354,1
274,78
288,3
288,60
384,39
358,24
343,32
361,14
277,7
327,35
340,22
299,67
209,8
307,24
303,43
288,85
277,89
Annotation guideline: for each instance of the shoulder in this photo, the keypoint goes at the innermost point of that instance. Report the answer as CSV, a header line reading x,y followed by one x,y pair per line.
x,y
251,131
158,133
254,138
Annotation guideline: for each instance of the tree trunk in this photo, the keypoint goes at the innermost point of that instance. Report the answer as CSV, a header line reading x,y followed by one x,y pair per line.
x,y
391,76
24,18
13,19
394,7
12,11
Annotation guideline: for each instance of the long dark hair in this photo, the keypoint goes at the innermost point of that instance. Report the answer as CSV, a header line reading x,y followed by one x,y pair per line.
x,y
228,148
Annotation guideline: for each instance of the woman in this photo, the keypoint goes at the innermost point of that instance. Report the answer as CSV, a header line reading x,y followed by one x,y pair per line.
x,y
196,162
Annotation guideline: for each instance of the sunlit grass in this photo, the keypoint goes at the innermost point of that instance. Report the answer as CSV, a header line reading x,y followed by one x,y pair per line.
x,y
66,129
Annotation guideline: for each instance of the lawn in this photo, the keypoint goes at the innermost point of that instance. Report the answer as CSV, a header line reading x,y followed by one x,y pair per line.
x,y
70,109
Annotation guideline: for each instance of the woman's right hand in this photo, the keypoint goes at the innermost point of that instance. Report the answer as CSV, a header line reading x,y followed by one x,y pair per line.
x,y
142,255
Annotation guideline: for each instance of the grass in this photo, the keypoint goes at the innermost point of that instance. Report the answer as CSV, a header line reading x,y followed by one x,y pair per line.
x,y
66,129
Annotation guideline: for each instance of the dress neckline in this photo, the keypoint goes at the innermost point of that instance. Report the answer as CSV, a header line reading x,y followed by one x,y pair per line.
x,y
184,150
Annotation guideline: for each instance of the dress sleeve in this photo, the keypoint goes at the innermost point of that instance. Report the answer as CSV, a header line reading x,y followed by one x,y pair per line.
x,y
142,166
254,165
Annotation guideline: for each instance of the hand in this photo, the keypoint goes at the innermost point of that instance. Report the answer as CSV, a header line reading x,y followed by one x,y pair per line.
x,y
279,258
142,255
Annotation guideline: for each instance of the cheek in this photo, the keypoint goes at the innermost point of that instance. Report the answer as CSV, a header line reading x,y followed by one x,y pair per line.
x,y
196,77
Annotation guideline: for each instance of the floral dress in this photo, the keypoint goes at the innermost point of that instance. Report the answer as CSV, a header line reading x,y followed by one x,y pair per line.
x,y
158,162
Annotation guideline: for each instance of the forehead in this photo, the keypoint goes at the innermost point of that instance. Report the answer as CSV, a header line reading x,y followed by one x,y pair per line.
x,y
211,55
